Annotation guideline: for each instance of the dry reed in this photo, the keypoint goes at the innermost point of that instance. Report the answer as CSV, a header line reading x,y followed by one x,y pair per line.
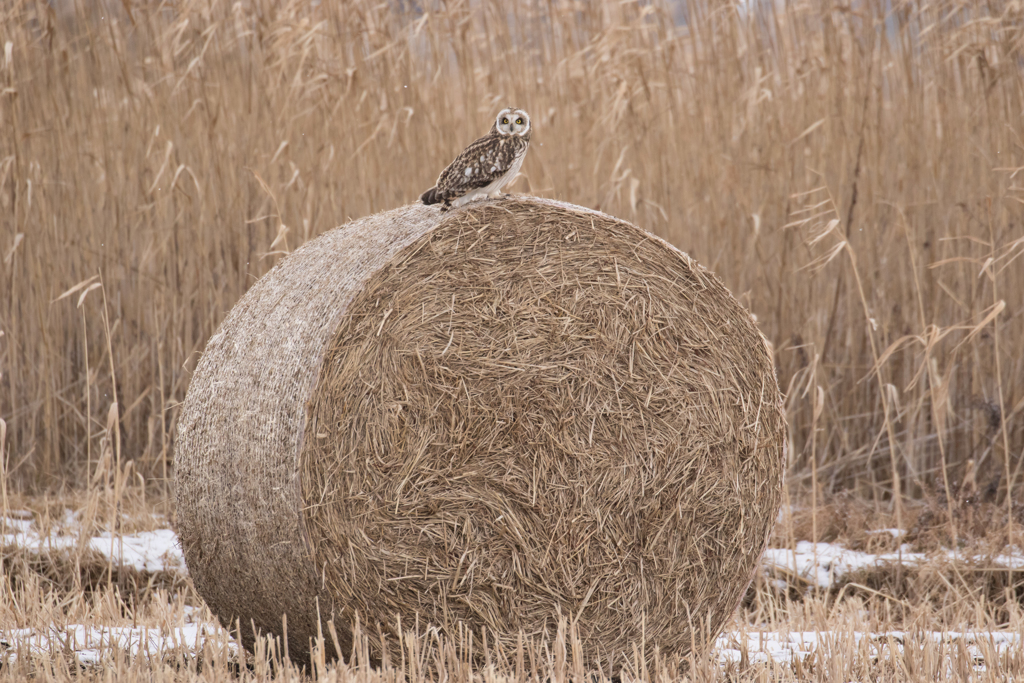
x,y
852,175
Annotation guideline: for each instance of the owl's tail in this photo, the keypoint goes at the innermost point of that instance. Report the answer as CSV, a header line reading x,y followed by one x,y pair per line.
x,y
431,196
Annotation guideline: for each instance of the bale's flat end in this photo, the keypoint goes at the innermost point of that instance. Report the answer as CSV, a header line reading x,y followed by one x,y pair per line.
x,y
485,418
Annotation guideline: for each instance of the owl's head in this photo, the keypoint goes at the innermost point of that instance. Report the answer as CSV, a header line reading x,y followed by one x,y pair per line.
x,y
512,121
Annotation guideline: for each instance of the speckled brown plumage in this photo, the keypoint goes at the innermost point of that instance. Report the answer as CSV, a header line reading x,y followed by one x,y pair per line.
x,y
486,164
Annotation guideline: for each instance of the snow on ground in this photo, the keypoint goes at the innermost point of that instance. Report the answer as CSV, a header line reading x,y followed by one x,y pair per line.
x,y
146,551
91,645
821,564
784,648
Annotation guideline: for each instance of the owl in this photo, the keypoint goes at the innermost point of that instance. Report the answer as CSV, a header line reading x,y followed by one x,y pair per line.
x,y
486,165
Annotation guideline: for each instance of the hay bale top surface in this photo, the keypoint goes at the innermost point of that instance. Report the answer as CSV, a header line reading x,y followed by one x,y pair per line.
x,y
534,408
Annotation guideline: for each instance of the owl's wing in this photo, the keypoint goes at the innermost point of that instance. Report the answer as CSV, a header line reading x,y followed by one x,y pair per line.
x,y
480,164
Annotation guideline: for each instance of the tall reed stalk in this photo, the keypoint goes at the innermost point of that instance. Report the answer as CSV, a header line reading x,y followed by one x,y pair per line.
x,y
851,172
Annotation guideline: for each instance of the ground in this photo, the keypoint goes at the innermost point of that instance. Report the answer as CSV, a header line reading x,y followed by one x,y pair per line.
x,y
866,601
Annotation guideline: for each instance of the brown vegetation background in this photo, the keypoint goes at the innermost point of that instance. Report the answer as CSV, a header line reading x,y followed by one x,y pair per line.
x,y
852,172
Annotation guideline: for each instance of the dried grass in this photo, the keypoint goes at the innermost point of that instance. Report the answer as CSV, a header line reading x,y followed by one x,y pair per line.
x,y
173,153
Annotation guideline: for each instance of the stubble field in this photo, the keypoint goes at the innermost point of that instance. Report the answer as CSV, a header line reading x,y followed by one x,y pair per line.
x,y
851,171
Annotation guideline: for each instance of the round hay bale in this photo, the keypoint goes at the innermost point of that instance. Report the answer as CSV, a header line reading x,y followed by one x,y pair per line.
x,y
482,418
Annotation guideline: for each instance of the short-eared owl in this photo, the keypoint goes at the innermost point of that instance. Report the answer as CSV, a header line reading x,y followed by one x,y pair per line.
x,y
487,164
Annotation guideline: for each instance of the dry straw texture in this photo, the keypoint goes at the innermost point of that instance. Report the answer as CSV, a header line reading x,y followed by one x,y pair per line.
x,y
239,516
516,410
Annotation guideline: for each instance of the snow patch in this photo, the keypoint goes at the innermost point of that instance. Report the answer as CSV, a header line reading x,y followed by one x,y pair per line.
x,y
822,564
91,644
146,551
760,647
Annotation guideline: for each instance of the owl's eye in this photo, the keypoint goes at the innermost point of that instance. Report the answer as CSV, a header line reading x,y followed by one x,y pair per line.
x,y
505,121
519,121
